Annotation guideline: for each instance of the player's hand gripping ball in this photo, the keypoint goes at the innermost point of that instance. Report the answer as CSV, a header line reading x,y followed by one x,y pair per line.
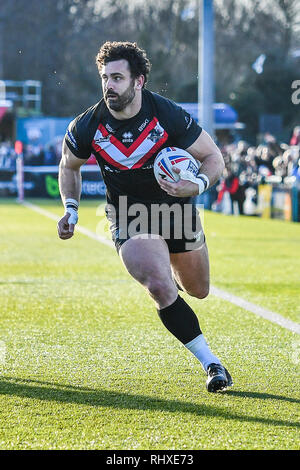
x,y
170,157
177,173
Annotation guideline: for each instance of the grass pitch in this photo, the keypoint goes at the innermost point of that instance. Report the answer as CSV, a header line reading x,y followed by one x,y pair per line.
x,y
86,364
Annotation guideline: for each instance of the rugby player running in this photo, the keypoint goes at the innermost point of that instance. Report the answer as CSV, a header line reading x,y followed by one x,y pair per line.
x,y
125,131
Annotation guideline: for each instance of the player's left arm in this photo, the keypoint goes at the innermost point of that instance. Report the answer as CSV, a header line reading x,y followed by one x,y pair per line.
x,y
206,151
212,165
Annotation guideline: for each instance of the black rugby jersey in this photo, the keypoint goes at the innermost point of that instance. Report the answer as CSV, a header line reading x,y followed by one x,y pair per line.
x,y
125,149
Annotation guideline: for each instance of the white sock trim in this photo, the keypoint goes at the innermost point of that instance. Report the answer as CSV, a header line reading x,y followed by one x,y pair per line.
x,y
199,347
195,341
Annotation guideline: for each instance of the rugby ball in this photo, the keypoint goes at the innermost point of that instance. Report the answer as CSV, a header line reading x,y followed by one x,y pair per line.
x,y
169,157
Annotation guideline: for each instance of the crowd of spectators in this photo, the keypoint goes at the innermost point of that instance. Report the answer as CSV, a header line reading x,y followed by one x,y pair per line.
x,y
34,155
246,167
7,156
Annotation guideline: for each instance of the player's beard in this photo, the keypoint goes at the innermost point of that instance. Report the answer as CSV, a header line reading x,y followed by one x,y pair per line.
x,y
121,101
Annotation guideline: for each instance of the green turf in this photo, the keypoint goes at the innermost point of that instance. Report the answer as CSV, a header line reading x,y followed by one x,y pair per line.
x,y
86,364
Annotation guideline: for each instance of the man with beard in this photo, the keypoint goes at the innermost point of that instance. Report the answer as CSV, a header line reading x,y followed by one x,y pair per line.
x,y
125,131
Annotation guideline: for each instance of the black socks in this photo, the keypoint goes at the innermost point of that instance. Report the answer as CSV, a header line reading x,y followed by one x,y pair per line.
x,y
180,320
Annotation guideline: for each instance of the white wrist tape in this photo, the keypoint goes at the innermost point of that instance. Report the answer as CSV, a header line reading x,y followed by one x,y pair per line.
x,y
73,219
71,203
71,206
201,180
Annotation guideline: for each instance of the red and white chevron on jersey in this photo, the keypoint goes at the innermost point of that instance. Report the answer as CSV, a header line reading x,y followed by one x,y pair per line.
x,y
150,140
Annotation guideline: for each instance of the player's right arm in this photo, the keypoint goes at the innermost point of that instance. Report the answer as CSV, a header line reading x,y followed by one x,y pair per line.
x,y
69,179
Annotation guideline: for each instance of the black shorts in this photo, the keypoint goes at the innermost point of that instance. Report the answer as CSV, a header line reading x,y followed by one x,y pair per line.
x,y
181,231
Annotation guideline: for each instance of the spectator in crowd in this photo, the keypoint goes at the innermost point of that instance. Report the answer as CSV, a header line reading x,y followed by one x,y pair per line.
x,y
7,149
233,186
295,155
264,161
270,141
296,171
280,167
7,156
295,139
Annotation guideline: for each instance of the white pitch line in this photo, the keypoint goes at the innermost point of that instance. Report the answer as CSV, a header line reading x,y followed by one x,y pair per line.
x,y
79,228
239,301
257,309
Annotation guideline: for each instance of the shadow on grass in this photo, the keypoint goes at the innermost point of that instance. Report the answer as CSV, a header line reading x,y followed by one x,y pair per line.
x,y
60,393
261,396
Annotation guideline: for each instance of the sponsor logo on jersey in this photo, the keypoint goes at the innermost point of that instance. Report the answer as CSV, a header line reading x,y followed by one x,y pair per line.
x,y
127,137
189,121
156,134
111,170
71,139
110,129
143,125
148,167
102,139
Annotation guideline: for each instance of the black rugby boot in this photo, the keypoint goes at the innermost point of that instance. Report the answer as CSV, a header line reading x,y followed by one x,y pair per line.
x,y
218,378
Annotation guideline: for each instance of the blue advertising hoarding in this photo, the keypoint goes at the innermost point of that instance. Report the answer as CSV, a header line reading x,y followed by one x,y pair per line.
x,y
41,131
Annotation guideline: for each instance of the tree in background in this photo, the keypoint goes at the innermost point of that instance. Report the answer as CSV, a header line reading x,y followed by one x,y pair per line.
x,y
56,41
269,28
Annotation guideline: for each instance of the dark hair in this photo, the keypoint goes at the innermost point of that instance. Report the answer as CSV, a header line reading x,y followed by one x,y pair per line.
x,y
137,59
